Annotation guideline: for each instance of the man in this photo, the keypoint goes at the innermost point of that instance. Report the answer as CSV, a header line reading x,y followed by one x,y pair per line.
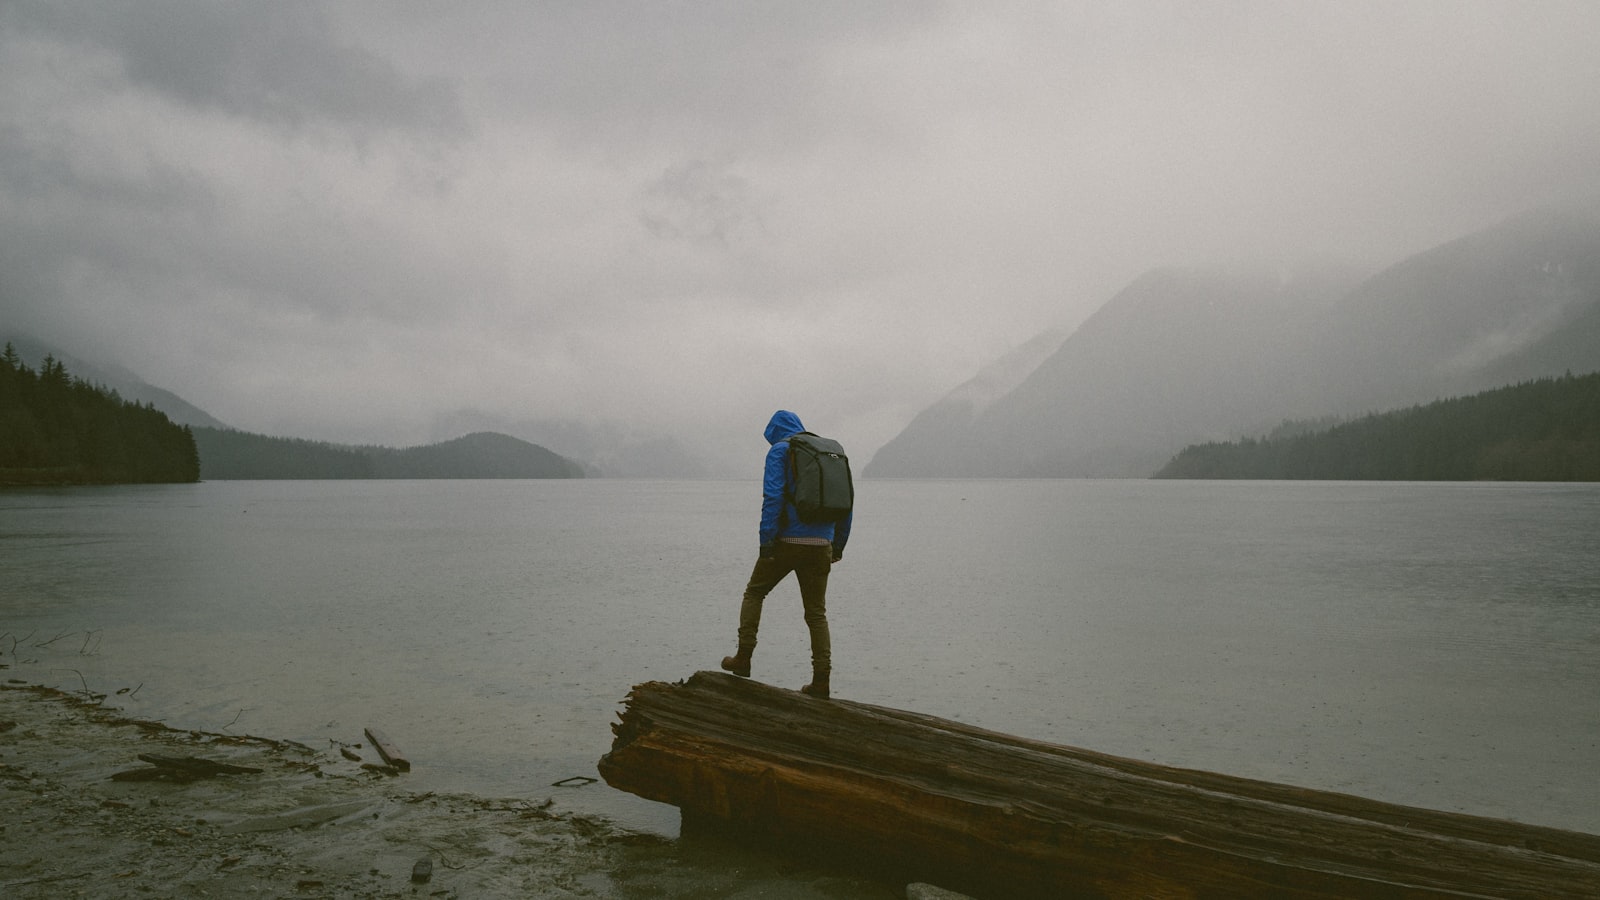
x,y
809,550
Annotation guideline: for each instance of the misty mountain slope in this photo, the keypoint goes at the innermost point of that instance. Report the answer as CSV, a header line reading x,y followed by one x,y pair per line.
x,y
1169,355
930,444
1189,356
1573,347
127,385
227,455
1182,352
1512,302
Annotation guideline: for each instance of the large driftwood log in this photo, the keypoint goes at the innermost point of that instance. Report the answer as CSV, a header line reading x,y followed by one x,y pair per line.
x,y
1000,816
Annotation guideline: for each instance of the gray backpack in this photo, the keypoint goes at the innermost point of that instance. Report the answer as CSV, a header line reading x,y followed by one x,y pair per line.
x,y
820,486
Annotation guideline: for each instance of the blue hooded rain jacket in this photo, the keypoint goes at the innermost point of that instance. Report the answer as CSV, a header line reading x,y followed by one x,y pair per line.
x,y
779,519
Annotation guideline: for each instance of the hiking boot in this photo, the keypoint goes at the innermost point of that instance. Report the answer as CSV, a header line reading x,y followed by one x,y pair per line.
x,y
739,663
818,686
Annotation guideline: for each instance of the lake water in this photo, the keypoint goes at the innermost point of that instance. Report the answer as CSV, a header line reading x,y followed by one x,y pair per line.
x,y
1428,644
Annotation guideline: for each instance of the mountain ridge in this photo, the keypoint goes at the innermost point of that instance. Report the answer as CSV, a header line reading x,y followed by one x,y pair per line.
x,y
599,450
1189,355
128,385
232,455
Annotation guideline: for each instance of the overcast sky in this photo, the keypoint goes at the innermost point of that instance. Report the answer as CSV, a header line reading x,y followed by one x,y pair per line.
x,y
340,220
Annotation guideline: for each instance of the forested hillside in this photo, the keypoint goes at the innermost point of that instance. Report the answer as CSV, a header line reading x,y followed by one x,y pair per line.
x,y
113,377
1543,430
226,455
58,429
484,454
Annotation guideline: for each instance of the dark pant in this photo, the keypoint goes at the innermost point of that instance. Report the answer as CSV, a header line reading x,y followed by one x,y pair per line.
x,y
810,565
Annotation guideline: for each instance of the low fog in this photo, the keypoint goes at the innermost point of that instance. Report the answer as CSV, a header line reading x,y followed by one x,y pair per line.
x,y
362,222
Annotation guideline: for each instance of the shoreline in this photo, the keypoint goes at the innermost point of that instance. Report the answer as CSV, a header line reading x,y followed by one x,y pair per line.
x,y
310,823
301,823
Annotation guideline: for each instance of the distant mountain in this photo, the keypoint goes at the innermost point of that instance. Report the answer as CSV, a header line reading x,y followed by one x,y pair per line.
x,y
598,450
1542,430
1184,356
113,377
483,454
941,440
604,449
228,455
1178,352
1514,302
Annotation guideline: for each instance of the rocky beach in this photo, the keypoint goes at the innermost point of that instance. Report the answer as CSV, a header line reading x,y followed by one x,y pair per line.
x,y
87,814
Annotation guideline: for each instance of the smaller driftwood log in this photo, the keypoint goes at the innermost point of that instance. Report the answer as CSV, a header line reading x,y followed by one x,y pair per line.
x,y
386,749
999,816
181,768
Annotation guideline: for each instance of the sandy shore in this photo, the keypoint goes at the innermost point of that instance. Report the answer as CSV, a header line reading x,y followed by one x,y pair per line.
x,y
307,824
311,823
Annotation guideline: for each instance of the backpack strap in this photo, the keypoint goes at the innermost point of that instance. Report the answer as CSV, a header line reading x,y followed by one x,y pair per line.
x,y
788,480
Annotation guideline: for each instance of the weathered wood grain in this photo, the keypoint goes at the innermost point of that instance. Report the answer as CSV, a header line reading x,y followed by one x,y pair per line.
x,y
197,765
181,769
386,749
1000,816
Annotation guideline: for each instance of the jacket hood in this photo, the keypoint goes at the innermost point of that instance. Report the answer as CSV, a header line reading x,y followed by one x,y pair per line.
x,y
783,426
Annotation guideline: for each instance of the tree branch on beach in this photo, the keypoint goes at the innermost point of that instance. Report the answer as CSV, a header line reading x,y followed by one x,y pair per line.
x,y
91,695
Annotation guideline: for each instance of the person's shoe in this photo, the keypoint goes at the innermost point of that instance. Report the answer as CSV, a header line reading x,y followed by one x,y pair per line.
x,y
739,663
818,686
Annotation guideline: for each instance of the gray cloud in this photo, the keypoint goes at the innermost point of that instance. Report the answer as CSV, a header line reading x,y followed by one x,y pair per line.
x,y
345,220
273,62
701,201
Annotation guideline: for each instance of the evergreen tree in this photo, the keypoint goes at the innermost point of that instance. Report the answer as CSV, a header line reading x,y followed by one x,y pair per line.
x,y
1544,430
56,429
